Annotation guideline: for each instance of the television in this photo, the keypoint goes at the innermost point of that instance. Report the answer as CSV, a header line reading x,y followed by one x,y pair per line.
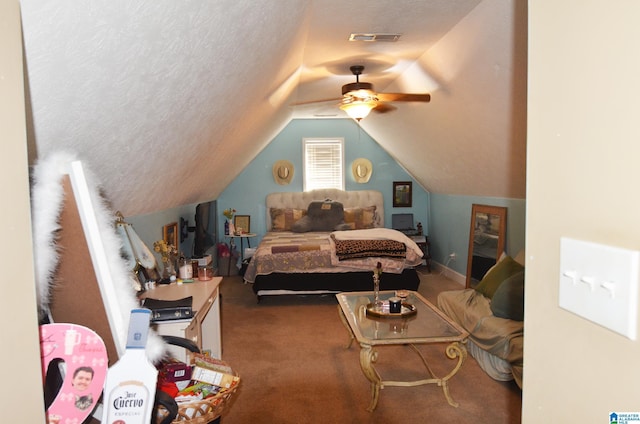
x,y
205,238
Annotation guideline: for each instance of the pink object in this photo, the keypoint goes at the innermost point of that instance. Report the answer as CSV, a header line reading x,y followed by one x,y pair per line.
x,y
85,356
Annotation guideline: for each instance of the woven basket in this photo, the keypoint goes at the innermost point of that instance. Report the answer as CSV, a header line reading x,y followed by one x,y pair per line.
x,y
200,411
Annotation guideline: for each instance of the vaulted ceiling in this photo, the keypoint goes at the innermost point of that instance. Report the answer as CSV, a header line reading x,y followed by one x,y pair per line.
x,y
157,95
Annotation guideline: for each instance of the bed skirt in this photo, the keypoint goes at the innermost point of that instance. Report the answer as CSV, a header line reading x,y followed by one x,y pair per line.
x,y
318,283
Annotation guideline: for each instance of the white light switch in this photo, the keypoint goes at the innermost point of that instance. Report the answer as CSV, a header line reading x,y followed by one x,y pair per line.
x,y
600,283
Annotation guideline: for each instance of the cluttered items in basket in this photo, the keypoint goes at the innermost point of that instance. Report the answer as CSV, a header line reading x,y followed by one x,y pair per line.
x,y
202,396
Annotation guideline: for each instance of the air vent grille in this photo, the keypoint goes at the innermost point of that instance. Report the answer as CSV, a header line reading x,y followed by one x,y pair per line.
x,y
374,37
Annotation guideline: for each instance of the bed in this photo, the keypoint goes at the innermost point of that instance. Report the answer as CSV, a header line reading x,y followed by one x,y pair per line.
x,y
335,258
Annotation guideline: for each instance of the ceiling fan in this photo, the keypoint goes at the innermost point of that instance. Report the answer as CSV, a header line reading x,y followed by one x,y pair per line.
x,y
359,98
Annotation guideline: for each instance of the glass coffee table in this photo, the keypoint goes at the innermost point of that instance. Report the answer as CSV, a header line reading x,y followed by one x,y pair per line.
x,y
425,324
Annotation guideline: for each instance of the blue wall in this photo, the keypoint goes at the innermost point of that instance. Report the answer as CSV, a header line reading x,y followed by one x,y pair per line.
x,y
149,227
450,223
445,218
248,191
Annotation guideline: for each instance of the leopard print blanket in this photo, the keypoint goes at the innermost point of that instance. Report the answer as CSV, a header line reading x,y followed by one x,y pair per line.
x,y
353,249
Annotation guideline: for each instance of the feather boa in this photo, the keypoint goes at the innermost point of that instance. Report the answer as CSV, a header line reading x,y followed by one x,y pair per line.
x,y
47,198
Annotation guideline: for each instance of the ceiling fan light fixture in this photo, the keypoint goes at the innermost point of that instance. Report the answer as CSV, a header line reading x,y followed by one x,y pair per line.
x,y
358,87
359,98
358,109
363,95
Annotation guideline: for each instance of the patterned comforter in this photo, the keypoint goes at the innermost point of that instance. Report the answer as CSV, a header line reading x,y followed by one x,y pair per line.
x,y
315,252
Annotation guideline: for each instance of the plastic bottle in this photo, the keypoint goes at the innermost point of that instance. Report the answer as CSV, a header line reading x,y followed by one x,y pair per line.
x,y
131,382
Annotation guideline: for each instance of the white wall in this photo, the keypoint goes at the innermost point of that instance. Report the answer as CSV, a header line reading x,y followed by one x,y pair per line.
x,y
582,178
21,400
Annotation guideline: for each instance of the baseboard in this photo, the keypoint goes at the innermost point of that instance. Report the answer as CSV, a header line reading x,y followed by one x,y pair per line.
x,y
449,273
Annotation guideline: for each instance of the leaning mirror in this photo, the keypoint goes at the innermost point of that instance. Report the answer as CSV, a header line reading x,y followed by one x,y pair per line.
x,y
486,240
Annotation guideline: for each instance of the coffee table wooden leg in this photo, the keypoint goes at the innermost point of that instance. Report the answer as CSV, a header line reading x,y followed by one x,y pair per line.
x,y
367,357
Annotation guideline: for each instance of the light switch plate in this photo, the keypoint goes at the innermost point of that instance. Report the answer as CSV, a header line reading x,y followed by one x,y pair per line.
x,y
600,283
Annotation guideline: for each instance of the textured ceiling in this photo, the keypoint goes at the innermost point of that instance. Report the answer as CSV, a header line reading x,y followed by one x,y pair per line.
x,y
143,90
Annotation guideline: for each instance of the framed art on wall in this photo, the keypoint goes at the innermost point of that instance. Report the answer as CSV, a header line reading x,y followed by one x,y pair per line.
x,y
170,234
402,194
242,223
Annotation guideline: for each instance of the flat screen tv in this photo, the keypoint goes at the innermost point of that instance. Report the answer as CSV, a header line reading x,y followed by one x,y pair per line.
x,y
205,229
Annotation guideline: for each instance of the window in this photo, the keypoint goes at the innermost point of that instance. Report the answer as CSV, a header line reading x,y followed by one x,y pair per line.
x,y
323,163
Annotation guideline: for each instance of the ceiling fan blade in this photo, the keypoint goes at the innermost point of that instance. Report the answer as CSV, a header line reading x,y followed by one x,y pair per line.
x,y
335,99
383,108
404,97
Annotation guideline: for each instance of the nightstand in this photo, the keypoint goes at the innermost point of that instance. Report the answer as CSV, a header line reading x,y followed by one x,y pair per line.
x,y
232,244
242,237
425,246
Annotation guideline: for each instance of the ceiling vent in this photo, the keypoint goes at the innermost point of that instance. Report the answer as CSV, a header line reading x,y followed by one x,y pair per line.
x,y
374,37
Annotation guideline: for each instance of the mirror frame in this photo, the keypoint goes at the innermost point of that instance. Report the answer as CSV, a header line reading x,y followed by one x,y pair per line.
x,y
501,211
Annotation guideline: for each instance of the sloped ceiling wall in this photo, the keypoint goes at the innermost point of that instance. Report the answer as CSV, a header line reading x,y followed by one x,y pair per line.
x,y
167,101
471,138
153,110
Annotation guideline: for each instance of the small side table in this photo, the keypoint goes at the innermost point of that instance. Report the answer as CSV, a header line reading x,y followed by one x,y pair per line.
x,y
423,243
232,243
242,237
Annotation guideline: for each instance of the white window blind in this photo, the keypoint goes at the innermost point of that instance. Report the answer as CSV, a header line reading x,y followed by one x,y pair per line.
x,y
323,163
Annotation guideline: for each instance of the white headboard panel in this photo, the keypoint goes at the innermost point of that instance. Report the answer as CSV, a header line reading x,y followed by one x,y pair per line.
x,y
349,199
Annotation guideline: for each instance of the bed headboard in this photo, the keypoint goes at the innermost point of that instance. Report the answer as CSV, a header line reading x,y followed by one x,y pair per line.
x,y
349,199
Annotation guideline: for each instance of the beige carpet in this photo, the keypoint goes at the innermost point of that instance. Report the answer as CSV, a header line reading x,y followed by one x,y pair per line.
x,y
290,353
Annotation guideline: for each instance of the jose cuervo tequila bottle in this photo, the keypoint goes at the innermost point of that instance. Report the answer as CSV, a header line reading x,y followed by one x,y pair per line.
x,y
131,382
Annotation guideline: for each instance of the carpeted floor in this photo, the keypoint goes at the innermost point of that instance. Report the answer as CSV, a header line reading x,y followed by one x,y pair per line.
x,y
291,355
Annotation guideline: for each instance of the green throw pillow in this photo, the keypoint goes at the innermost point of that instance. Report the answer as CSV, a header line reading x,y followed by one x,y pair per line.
x,y
496,275
508,300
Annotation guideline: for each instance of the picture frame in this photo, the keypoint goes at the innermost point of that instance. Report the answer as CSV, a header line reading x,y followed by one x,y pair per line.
x,y
170,234
402,193
242,222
